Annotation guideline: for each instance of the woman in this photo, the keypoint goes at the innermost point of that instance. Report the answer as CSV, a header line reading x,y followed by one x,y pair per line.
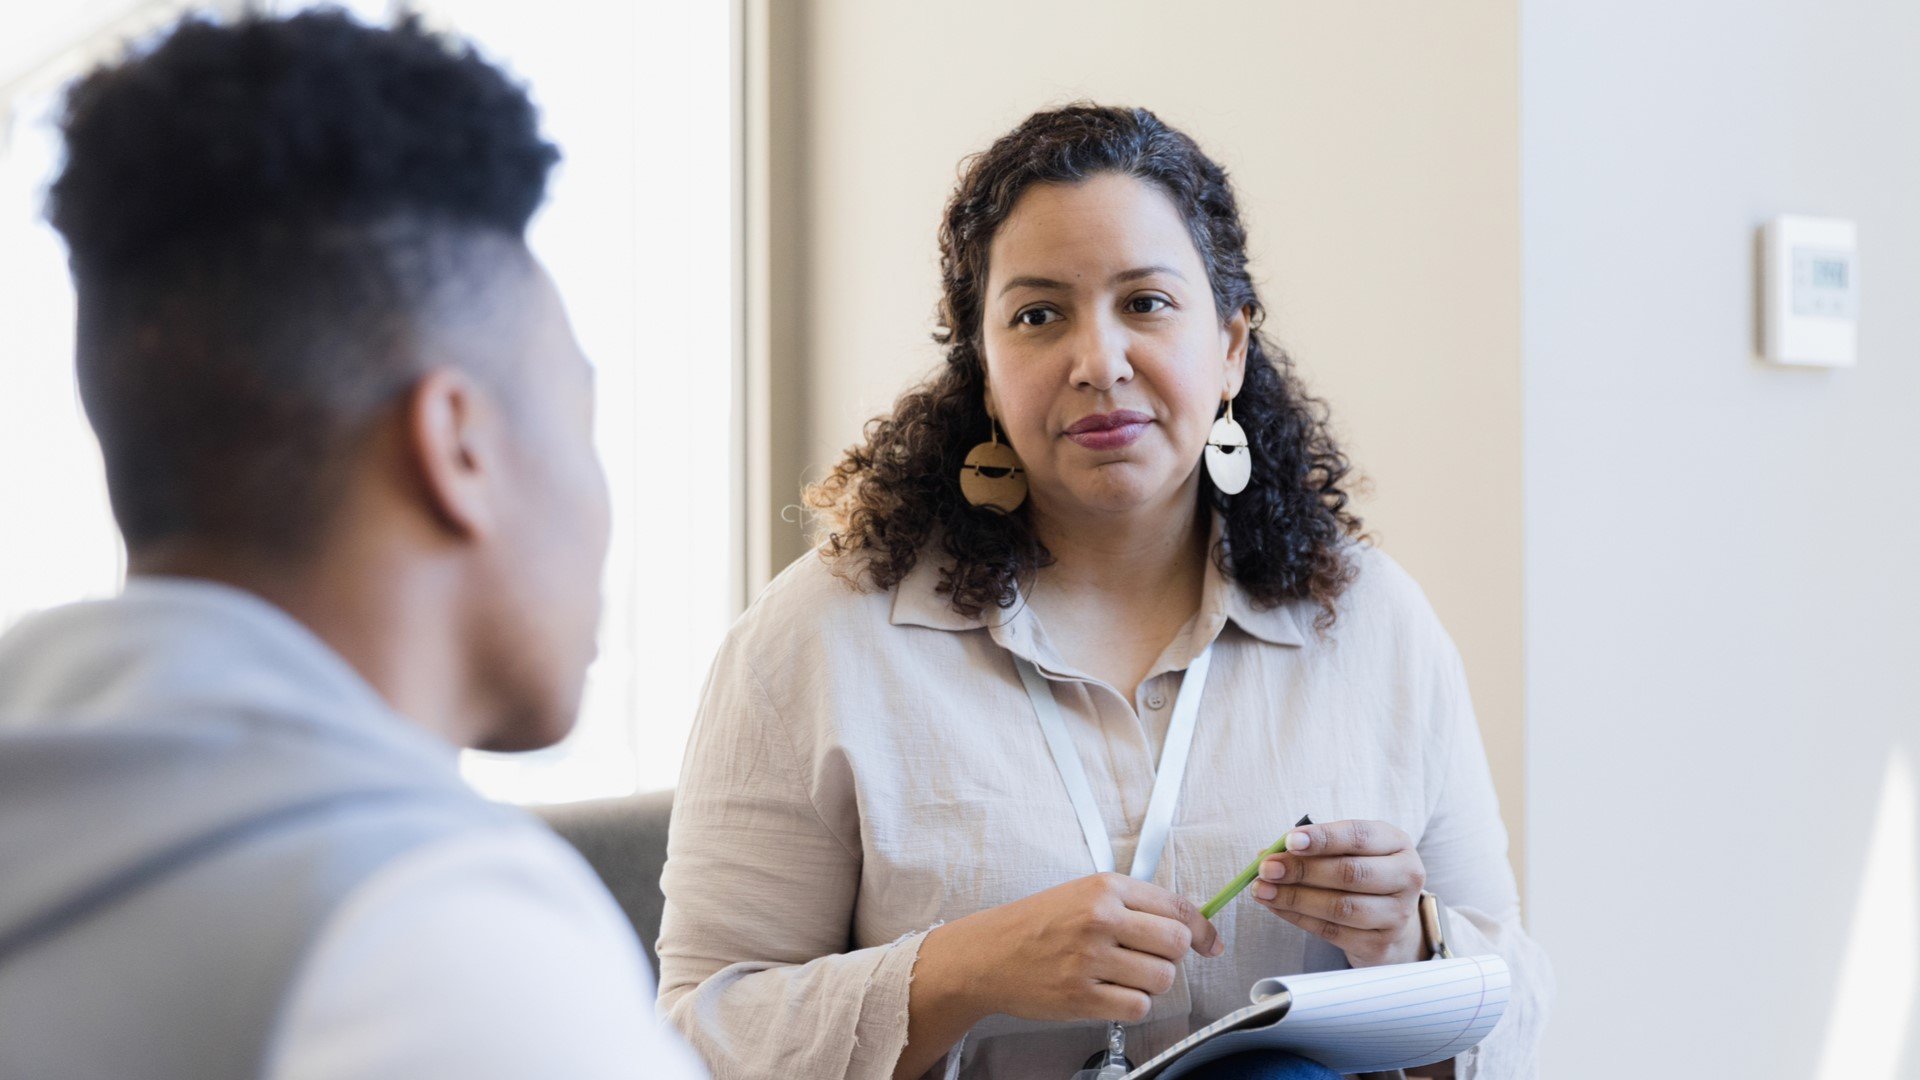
x,y
880,859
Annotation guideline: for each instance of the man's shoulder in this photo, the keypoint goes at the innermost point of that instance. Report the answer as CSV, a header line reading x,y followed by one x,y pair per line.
x,y
501,951
510,867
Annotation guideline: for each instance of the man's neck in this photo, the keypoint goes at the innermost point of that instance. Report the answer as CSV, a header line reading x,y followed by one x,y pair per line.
x,y
373,621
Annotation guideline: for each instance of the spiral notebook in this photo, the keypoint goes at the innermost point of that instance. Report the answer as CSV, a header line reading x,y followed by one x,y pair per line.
x,y
1361,1020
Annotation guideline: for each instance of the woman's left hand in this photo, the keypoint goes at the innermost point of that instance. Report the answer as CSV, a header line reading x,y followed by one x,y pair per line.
x,y
1355,883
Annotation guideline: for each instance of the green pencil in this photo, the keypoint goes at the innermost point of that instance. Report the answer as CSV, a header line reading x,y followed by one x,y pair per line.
x,y
1221,898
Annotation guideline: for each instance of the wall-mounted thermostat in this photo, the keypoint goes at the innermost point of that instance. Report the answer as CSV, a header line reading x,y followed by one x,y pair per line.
x,y
1810,281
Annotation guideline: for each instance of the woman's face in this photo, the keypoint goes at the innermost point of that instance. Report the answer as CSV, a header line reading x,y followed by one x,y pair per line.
x,y
1106,360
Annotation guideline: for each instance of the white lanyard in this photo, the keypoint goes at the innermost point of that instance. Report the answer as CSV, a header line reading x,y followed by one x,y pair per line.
x,y
1166,780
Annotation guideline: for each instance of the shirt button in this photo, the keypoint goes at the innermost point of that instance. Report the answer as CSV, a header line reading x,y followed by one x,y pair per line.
x,y
1156,699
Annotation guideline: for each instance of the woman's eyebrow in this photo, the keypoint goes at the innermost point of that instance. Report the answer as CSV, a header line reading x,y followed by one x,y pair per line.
x,y
1123,276
1030,283
1147,271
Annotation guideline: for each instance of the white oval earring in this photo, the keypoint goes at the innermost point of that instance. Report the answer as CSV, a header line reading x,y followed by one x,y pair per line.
x,y
1229,462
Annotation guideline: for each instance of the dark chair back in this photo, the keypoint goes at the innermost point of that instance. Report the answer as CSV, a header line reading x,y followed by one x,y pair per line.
x,y
625,841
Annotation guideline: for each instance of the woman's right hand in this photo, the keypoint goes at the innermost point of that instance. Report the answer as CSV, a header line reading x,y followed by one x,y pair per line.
x,y
1096,948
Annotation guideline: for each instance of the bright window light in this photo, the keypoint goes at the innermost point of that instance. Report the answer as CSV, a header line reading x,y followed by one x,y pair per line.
x,y
639,234
57,539
1880,973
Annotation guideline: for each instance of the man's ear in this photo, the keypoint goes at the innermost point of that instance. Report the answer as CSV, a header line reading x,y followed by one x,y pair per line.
x,y
1239,334
447,429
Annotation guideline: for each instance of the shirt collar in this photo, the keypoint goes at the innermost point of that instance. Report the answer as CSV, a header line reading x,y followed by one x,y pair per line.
x,y
917,601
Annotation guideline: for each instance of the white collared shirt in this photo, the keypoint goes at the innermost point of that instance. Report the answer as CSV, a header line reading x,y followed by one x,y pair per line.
x,y
866,765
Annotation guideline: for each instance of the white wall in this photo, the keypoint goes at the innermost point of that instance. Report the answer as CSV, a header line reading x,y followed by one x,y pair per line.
x,y
1723,559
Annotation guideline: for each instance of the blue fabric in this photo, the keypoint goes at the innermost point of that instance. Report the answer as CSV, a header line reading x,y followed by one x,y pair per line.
x,y
1266,1065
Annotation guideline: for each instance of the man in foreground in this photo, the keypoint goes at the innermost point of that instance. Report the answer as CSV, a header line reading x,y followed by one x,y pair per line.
x,y
347,437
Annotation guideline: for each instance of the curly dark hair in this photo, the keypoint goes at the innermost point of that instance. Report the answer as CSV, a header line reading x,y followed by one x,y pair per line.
x,y
898,491
261,215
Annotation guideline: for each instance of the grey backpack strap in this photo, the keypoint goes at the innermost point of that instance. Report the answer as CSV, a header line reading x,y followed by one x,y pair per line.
x,y
182,856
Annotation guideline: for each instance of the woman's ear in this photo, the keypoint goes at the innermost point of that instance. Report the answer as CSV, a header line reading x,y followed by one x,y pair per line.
x,y
1238,333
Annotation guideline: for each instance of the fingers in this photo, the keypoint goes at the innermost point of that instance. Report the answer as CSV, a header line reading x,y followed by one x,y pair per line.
x,y
1355,837
1356,911
1352,883
1135,971
1364,948
1106,1001
1155,935
1153,900
1378,875
1346,937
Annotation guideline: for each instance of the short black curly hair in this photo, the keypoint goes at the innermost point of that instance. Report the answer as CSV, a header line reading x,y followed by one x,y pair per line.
x,y
261,215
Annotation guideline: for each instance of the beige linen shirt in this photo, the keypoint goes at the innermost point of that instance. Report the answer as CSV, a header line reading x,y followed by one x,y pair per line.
x,y
866,765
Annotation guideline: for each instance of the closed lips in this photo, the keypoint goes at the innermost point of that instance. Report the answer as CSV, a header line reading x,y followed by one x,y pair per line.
x,y
1107,421
1108,431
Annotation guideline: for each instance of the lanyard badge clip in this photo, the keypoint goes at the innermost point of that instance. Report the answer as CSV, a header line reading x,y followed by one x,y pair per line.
x,y
1111,1063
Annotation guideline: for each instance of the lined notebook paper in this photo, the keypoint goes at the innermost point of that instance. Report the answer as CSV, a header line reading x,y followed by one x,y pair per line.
x,y
1362,1020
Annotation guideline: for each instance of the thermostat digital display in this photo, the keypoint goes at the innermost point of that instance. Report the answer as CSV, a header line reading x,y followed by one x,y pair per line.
x,y
1822,283
1810,291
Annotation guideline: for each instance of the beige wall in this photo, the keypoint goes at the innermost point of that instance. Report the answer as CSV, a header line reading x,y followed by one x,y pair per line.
x,y
1375,151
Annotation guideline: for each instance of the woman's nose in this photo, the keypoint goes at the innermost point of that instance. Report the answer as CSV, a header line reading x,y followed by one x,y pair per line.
x,y
1100,355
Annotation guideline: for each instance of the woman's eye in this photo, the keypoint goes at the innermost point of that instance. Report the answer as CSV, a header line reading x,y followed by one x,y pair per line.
x,y
1036,316
1147,305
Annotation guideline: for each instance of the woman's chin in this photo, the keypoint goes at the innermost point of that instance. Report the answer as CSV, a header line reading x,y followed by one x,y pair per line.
x,y
1118,490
